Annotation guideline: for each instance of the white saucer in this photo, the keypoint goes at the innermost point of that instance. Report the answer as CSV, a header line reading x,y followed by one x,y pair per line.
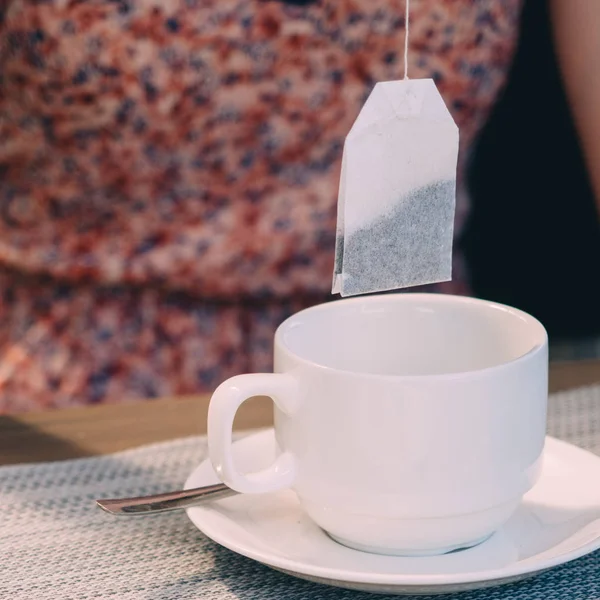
x,y
558,521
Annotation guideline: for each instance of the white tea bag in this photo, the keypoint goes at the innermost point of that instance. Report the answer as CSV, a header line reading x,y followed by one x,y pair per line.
x,y
397,191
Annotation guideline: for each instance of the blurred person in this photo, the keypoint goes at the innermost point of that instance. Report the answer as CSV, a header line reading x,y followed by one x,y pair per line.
x,y
532,239
169,174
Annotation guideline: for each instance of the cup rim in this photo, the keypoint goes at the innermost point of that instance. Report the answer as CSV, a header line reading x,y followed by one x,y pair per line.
x,y
536,349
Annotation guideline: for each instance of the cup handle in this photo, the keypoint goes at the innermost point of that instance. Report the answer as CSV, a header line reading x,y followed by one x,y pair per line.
x,y
228,397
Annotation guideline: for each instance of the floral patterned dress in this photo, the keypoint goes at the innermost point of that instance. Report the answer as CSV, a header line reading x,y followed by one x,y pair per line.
x,y
169,173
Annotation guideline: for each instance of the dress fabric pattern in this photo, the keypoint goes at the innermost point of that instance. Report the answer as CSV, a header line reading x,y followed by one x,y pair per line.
x,y
169,173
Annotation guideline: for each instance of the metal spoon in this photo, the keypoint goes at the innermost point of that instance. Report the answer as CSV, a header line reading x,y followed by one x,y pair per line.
x,y
157,503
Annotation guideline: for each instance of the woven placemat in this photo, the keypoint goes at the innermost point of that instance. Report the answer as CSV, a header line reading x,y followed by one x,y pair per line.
x,y
56,545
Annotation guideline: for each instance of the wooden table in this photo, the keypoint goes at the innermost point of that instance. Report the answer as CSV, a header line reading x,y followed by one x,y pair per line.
x,y
90,431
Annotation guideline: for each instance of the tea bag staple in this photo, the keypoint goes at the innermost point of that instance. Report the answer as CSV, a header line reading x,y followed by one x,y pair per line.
x,y
397,191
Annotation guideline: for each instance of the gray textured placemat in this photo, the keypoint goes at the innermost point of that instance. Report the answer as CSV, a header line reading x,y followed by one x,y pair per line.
x,y
55,544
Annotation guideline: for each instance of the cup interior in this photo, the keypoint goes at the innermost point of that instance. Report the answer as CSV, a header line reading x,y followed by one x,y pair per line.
x,y
411,335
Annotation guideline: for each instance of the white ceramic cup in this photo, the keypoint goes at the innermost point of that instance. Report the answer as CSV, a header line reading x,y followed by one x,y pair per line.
x,y
407,424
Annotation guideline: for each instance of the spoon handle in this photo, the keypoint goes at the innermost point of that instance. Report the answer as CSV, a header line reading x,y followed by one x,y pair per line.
x,y
157,503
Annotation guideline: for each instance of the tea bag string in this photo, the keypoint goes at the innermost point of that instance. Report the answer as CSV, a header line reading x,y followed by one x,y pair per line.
x,y
406,33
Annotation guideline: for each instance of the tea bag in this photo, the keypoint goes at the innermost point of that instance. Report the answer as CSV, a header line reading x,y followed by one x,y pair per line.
x,y
397,191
